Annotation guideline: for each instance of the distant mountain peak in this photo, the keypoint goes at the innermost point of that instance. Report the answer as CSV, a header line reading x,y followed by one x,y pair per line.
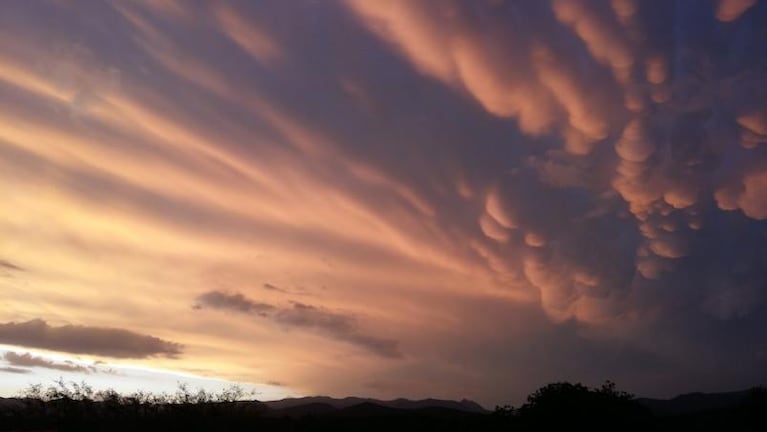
x,y
464,405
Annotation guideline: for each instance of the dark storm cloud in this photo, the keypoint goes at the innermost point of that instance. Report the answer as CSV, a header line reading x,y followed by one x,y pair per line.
x,y
607,156
28,360
642,156
338,326
604,162
631,195
235,301
103,341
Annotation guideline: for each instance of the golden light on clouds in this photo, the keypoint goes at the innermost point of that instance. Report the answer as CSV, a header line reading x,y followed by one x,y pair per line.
x,y
364,197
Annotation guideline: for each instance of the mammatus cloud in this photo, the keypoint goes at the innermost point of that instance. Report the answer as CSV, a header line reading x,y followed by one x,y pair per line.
x,y
27,360
635,142
102,341
335,325
536,190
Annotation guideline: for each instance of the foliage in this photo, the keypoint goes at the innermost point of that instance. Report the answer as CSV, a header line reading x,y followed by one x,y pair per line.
x,y
71,406
62,390
565,404
77,406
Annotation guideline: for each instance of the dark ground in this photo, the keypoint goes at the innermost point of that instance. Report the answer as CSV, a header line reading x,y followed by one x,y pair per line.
x,y
559,405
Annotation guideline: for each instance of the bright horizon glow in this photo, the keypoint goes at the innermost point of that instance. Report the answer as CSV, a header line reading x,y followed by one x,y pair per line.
x,y
126,378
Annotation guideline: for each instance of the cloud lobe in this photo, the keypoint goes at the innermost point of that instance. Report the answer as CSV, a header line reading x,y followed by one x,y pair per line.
x,y
75,339
334,325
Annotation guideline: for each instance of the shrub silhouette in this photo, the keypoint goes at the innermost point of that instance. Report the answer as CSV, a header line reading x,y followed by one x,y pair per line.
x,y
566,404
66,406
69,406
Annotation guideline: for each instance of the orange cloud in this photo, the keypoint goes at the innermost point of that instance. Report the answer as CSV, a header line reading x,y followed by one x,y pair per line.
x,y
730,10
439,45
602,38
245,34
749,195
401,178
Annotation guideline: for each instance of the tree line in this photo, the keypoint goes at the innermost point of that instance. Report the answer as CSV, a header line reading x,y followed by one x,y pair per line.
x,y
71,406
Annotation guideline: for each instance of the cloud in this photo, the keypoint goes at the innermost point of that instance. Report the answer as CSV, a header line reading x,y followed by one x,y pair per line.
x,y
730,10
28,360
7,265
603,37
102,341
525,78
334,325
527,189
747,192
275,288
246,35
14,370
8,269
234,301
337,326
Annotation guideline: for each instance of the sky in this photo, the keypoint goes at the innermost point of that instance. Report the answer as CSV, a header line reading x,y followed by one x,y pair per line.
x,y
453,199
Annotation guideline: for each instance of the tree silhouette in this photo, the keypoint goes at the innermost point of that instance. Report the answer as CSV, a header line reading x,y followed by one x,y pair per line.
x,y
69,406
566,404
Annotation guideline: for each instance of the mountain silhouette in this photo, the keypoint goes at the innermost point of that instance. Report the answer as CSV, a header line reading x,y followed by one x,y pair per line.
x,y
691,403
559,404
401,403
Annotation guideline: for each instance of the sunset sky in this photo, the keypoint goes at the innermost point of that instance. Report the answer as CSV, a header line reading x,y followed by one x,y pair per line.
x,y
384,198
